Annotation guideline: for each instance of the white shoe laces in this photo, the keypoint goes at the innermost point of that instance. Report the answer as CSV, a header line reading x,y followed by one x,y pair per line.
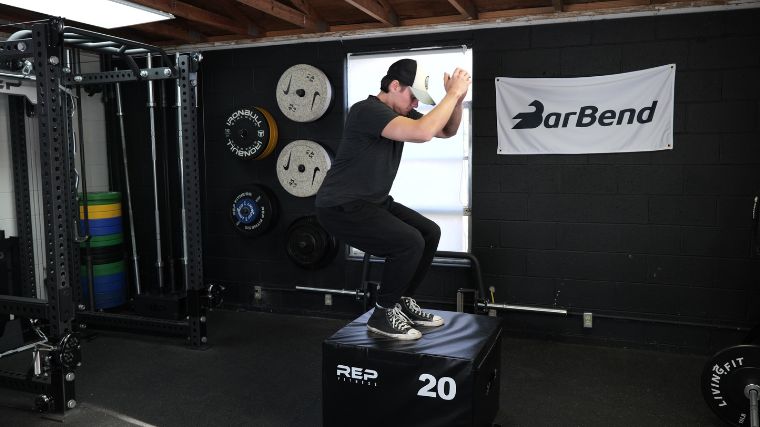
x,y
398,319
414,307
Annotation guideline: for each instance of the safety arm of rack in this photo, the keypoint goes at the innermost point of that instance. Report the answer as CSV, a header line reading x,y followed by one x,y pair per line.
x,y
474,265
125,43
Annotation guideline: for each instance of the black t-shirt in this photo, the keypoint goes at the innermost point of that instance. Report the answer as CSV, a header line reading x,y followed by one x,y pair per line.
x,y
366,163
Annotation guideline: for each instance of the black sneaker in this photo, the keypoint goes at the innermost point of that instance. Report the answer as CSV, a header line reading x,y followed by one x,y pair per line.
x,y
416,315
392,322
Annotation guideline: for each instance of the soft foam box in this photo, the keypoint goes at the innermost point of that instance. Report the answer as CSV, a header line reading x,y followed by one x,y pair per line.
x,y
449,377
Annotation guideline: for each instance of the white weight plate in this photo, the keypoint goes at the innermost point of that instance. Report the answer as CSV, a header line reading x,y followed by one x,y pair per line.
x,y
303,93
301,167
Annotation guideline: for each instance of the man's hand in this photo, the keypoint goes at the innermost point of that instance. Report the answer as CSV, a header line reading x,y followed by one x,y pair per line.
x,y
442,121
457,83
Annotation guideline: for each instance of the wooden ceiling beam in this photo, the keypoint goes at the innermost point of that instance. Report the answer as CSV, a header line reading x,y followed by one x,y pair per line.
x,y
196,14
287,14
517,12
466,8
379,10
234,10
601,5
305,7
558,5
170,31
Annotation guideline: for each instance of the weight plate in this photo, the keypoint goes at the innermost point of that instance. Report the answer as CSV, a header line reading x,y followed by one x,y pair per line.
x,y
301,167
102,231
104,241
303,93
103,282
309,245
69,351
103,222
254,211
100,198
104,255
101,208
250,133
273,135
724,378
101,258
103,251
104,269
101,214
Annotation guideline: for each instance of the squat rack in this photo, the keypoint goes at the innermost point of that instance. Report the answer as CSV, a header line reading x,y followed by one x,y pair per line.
x,y
45,79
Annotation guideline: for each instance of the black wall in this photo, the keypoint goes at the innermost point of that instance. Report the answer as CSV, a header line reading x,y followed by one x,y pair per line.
x,y
658,245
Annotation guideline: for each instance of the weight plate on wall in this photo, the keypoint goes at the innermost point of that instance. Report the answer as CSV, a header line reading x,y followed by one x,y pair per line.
x,y
724,379
303,93
301,167
250,133
273,136
309,245
254,211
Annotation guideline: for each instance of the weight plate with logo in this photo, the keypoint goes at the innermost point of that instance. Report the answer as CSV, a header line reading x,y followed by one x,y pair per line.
x,y
301,167
274,136
725,381
309,245
254,211
250,133
303,93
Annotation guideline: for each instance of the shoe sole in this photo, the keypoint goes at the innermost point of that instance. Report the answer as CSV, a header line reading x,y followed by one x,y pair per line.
x,y
404,337
430,323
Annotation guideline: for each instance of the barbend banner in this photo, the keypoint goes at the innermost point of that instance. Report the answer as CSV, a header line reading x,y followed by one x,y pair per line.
x,y
602,114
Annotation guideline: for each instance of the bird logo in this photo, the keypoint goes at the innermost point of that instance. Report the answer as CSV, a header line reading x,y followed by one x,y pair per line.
x,y
532,119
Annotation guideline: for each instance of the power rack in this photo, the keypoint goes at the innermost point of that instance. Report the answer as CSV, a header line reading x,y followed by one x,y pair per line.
x,y
40,76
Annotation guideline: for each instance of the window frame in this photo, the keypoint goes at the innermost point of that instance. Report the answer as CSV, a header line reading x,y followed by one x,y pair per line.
x,y
355,254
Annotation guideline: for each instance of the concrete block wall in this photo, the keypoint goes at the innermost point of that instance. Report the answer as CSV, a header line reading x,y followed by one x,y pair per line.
x,y
657,245
660,235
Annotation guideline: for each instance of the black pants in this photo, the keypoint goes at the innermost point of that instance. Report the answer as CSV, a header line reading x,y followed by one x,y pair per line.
x,y
405,238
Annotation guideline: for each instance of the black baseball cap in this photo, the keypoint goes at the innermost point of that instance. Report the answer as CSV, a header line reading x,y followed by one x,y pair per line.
x,y
409,73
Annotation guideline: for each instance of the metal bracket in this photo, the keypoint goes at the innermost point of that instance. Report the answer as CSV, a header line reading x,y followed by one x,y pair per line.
x,y
161,73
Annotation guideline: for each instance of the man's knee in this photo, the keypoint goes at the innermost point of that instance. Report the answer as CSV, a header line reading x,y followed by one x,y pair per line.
x,y
412,245
435,233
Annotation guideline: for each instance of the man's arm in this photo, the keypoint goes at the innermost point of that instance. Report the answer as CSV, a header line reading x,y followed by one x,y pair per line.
x,y
452,126
448,113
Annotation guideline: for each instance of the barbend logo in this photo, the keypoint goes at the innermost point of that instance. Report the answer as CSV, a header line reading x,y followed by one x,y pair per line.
x,y
357,375
586,116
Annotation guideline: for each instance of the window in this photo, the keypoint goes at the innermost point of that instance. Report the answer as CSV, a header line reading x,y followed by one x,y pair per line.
x,y
434,177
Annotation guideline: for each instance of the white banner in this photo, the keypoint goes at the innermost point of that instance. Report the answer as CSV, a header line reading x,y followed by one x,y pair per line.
x,y
605,114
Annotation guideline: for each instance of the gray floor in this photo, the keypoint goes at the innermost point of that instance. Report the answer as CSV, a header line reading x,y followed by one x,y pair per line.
x,y
265,370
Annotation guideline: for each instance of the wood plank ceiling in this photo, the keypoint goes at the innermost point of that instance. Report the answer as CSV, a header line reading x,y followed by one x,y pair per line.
x,y
225,22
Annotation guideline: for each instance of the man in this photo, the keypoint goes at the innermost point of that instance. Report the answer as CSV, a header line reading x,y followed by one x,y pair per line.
x,y
354,204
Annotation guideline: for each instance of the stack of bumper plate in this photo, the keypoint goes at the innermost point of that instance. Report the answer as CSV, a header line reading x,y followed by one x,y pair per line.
x,y
104,225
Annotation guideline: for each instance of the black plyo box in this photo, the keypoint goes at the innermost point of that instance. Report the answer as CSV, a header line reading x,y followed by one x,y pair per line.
x,y
449,377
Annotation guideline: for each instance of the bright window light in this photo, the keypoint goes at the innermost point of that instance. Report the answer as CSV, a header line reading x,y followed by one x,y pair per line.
x,y
100,13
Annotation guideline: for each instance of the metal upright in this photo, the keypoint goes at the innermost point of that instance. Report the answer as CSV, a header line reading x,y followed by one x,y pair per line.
x,y
55,318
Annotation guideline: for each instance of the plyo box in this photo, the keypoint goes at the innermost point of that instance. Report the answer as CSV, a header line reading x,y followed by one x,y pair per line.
x,y
449,377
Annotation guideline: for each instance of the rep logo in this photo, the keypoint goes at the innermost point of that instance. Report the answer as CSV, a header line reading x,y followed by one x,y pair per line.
x,y
586,116
356,375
